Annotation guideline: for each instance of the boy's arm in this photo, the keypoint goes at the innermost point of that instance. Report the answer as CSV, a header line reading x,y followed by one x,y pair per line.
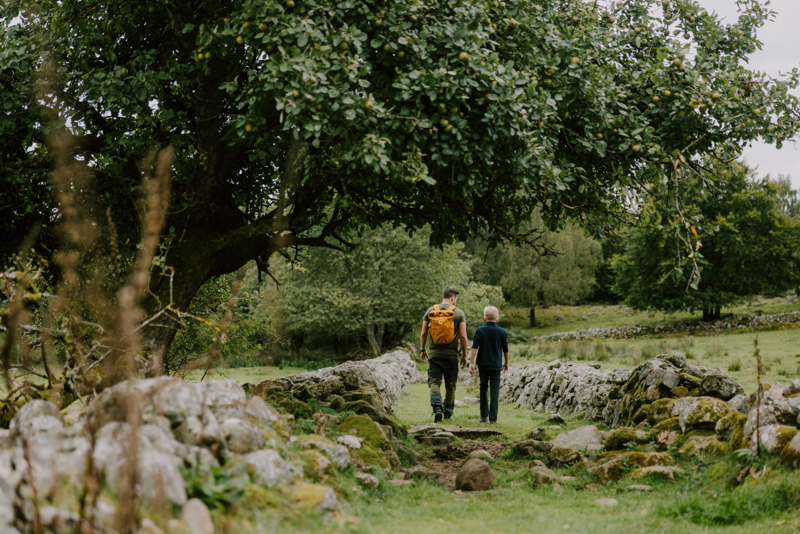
x,y
472,354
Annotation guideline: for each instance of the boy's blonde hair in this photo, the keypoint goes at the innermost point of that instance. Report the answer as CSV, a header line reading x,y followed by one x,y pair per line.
x,y
491,313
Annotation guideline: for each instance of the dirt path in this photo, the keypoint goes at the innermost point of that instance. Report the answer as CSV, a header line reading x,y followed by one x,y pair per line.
x,y
447,460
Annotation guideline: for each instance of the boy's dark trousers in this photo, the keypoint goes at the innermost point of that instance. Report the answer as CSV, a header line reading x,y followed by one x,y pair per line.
x,y
490,378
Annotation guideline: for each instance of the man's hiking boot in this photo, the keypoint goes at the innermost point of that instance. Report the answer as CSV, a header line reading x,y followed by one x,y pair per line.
x,y
437,417
484,420
492,422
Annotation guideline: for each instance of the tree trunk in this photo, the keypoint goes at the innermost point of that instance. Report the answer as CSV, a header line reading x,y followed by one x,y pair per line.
x,y
706,314
533,316
717,312
374,346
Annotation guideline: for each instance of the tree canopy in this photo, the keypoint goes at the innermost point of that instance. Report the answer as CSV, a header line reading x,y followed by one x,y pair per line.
x,y
745,244
295,122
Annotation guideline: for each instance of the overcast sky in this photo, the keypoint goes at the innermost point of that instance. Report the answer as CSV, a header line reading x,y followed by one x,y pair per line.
x,y
780,53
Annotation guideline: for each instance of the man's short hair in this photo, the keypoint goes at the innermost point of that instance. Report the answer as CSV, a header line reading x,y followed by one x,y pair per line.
x,y
449,292
491,313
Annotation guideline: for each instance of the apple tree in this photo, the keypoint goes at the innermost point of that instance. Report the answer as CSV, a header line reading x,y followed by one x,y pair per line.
x,y
293,122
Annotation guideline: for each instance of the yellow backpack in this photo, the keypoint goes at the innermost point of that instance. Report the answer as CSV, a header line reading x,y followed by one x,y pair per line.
x,y
442,328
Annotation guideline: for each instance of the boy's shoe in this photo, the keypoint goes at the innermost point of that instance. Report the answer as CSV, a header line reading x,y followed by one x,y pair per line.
x,y
484,420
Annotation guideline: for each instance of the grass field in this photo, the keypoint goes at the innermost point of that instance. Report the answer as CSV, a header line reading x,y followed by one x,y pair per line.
x,y
733,353
591,316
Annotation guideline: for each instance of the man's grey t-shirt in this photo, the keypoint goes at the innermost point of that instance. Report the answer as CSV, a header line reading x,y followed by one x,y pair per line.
x,y
452,350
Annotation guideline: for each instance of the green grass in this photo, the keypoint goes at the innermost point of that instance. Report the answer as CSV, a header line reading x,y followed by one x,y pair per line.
x,y
620,315
414,408
701,502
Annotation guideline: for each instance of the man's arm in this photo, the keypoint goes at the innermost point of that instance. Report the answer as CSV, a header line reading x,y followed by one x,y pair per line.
x,y
462,336
423,340
505,366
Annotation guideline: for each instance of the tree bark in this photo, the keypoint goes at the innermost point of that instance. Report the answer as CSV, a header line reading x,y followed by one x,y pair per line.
x,y
533,316
706,314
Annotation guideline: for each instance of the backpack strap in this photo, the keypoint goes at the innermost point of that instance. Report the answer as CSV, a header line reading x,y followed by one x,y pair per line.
x,y
451,308
436,309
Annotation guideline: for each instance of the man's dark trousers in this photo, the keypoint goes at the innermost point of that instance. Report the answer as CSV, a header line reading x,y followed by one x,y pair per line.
x,y
490,378
447,368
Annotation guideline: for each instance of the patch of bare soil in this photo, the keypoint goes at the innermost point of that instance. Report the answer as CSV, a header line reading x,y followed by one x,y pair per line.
x,y
447,460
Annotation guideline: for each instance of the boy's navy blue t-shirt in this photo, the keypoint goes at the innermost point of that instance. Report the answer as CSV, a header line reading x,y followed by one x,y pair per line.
x,y
491,342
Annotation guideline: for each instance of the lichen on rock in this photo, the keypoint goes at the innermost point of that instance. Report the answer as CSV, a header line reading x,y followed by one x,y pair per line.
x,y
619,438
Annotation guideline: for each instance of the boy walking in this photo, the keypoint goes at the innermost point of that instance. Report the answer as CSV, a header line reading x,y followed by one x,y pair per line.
x,y
491,342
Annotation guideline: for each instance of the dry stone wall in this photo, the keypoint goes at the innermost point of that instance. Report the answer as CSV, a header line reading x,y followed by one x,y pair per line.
x,y
186,426
387,376
616,397
563,388
737,322
665,401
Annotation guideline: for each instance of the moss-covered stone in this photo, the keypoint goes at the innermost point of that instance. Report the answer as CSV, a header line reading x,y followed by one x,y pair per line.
x,y
364,427
644,459
336,403
311,496
315,464
641,414
717,448
791,453
726,426
359,394
258,497
372,456
614,464
619,437
739,440
560,456
660,410
667,432
668,424
699,412
374,448
693,434
774,438
690,381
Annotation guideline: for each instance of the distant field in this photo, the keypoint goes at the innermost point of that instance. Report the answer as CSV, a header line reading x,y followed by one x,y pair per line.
x,y
578,317
733,353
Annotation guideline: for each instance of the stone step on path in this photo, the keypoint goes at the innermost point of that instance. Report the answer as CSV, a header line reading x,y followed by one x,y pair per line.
x,y
432,433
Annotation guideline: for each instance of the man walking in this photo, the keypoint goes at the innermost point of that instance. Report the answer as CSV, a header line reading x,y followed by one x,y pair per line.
x,y
447,327
490,341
